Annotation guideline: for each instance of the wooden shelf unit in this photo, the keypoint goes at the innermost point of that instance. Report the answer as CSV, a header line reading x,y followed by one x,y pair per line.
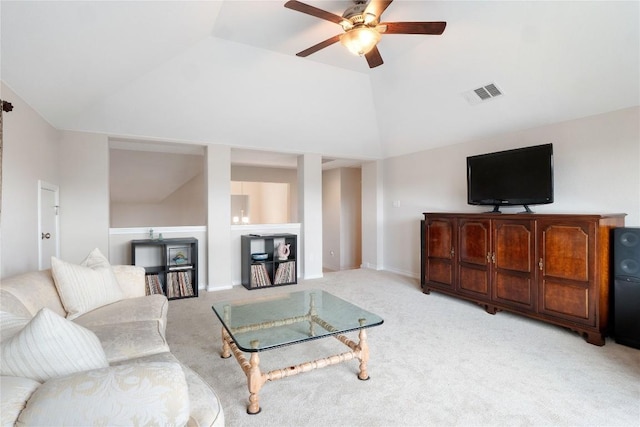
x,y
554,268
271,271
170,264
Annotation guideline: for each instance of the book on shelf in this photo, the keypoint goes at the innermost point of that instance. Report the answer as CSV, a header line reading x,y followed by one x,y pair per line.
x,y
153,285
285,273
259,275
179,284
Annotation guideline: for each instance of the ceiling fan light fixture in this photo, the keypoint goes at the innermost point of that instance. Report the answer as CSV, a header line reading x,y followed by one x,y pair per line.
x,y
369,18
360,40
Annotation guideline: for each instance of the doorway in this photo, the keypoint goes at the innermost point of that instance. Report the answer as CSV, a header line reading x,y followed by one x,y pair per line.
x,y
48,223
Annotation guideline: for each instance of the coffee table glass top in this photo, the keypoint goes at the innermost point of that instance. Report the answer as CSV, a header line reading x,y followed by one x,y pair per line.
x,y
272,321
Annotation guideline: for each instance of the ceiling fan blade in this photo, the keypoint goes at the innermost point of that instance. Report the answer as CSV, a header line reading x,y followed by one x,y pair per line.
x,y
313,11
317,47
376,7
434,28
374,58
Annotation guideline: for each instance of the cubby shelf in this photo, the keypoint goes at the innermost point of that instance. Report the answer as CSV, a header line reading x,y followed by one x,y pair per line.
x,y
171,265
271,271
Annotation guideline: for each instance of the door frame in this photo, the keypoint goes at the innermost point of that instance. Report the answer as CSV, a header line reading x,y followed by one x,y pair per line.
x,y
43,185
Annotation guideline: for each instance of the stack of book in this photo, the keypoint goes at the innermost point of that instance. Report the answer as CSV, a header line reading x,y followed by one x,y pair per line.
x,y
179,284
285,273
259,275
153,284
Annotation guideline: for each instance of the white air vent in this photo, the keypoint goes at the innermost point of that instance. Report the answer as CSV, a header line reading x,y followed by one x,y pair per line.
x,y
484,93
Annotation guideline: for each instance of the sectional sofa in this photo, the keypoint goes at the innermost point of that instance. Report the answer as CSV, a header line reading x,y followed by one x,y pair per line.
x,y
83,345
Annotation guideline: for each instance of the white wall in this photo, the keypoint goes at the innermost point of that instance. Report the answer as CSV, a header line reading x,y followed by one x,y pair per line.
x,y
341,218
84,195
184,207
266,174
310,214
331,196
372,215
596,170
154,189
219,255
351,218
261,202
30,153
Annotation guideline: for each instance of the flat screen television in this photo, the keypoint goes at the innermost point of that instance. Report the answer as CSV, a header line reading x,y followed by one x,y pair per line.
x,y
523,176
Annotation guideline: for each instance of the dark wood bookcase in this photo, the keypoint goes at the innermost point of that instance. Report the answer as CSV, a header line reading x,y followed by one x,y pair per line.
x,y
171,265
270,271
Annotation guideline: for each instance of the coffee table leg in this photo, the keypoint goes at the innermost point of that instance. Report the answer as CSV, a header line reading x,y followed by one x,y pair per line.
x,y
312,314
255,382
364,353
226,350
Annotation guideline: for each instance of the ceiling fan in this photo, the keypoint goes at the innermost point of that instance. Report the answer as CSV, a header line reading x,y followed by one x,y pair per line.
x,y
362,27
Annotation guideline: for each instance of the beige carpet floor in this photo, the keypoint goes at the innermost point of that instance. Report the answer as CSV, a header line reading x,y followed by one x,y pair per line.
x,y
435,361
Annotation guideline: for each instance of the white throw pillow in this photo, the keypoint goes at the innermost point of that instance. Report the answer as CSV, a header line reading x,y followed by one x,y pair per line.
x,y
50,346
87,286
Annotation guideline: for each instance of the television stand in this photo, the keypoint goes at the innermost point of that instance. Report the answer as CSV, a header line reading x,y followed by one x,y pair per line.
x,y
549,267
526,209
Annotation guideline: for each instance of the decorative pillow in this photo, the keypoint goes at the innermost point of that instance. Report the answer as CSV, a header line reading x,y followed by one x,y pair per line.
x,y
50,346
146,394
10,324
87,286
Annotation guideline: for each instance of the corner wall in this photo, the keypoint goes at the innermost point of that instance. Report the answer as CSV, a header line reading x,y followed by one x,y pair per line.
x,y
30,153
84,195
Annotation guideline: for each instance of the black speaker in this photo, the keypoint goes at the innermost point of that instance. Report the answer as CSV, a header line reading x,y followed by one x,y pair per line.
x,y
626,296
626,252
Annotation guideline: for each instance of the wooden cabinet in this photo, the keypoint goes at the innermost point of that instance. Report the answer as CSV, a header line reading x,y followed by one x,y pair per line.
x,y
171,265
271,271
553,268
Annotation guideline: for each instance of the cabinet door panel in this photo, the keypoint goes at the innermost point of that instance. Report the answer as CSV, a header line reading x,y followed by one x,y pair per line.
x,y
473,280
473,257
566,252
474,242
440,272
513,244
514,263
439,240
566,300
567,285
510,288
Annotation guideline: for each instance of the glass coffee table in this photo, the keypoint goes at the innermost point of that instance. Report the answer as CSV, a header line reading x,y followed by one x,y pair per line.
x,y
264,323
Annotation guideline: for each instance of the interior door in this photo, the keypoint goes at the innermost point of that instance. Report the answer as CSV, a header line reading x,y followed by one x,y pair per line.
x,y
48,224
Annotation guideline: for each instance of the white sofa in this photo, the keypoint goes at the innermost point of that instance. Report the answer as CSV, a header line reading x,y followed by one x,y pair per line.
x,y
71,357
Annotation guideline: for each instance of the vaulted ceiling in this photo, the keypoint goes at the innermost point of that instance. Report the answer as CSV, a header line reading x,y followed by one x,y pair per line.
x,y
225,72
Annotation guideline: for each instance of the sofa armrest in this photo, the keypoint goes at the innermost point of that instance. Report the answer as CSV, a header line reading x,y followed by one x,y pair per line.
x,y
153,393
131,279
14,393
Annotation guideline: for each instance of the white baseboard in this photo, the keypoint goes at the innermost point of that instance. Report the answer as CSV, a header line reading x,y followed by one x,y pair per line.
x,y
403,273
